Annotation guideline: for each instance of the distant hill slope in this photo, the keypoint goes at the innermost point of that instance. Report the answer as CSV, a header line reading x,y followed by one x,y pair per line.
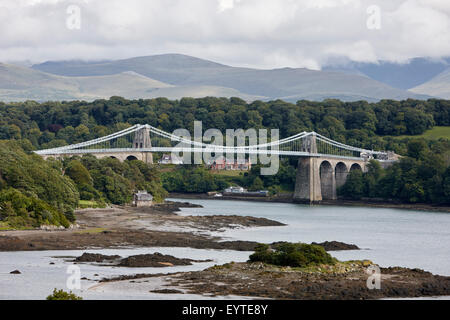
x,y
21,83
439,86
404,76
398,75
170,68
287,83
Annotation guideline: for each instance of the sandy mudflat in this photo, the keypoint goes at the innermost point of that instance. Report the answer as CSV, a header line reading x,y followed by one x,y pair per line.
x,y
142,227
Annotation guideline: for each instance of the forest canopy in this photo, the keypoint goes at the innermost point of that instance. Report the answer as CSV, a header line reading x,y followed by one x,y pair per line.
x,y
35,192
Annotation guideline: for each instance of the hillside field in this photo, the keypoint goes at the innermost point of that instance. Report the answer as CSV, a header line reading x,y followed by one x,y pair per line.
x,y
434,134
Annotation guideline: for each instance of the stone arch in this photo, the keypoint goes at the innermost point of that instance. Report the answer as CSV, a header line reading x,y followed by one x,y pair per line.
x,y
341,172
113,157
131,158
327,185
355,166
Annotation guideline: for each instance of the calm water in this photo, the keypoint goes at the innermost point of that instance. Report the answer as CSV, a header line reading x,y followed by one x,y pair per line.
x,y
389,237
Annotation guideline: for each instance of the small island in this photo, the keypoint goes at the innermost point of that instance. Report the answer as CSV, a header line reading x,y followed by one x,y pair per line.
x,y
296,271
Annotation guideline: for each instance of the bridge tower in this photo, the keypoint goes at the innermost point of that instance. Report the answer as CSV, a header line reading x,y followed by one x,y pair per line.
x,y
142,141
307,184
309,144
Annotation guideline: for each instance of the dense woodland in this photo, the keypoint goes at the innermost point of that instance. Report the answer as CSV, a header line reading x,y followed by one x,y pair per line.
x,y
360,123
34,191
423,176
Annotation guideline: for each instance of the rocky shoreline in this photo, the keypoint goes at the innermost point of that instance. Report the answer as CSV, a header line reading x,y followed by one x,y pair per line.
x,y
322,283
343,281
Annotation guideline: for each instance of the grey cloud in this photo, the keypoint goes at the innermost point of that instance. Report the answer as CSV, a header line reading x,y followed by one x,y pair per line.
x,y
256,33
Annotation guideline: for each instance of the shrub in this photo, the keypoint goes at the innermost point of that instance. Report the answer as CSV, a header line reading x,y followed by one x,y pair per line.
x,y
292,254
20,210
62,295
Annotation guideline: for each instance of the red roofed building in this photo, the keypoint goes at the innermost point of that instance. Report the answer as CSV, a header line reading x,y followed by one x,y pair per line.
x,y
223,164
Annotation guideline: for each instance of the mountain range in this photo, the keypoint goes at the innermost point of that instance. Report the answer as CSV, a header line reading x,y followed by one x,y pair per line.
x,y
398,75
438,86
175,76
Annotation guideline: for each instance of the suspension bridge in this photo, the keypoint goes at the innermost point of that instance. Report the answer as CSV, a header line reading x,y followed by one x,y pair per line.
x,y
323,163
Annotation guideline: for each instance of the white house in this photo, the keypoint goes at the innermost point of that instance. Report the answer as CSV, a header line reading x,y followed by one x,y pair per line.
x,y
235,190
170,159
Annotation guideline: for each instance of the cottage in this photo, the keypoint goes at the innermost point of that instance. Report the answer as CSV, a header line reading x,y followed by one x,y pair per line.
x,y
142,199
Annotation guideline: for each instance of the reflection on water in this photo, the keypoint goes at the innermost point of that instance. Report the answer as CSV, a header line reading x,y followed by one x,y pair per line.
x,y
389,237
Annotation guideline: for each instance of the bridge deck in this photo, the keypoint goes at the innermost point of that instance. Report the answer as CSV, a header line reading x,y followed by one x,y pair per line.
x,y
198,150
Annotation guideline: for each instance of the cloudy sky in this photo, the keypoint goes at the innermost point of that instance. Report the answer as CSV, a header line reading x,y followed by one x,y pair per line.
x,y
256,33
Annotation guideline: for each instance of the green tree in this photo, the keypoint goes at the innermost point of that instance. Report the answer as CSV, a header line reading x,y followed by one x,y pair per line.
x,y
14,132
417,121
63,295
354,186
115,187
292,254
372,178
78,173
446,185
417,149
257,184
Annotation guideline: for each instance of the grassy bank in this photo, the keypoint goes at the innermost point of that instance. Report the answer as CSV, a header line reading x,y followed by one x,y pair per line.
x,y
85,204
434,134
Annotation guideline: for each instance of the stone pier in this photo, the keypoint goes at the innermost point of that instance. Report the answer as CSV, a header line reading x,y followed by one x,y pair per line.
x,y
319,177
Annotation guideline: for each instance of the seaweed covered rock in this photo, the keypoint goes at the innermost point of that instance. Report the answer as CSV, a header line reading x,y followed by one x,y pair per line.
x,y
96,257
336,246
153,260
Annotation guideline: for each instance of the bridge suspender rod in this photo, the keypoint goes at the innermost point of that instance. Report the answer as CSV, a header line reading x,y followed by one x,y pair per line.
x,y
92,142
347,146
123,138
